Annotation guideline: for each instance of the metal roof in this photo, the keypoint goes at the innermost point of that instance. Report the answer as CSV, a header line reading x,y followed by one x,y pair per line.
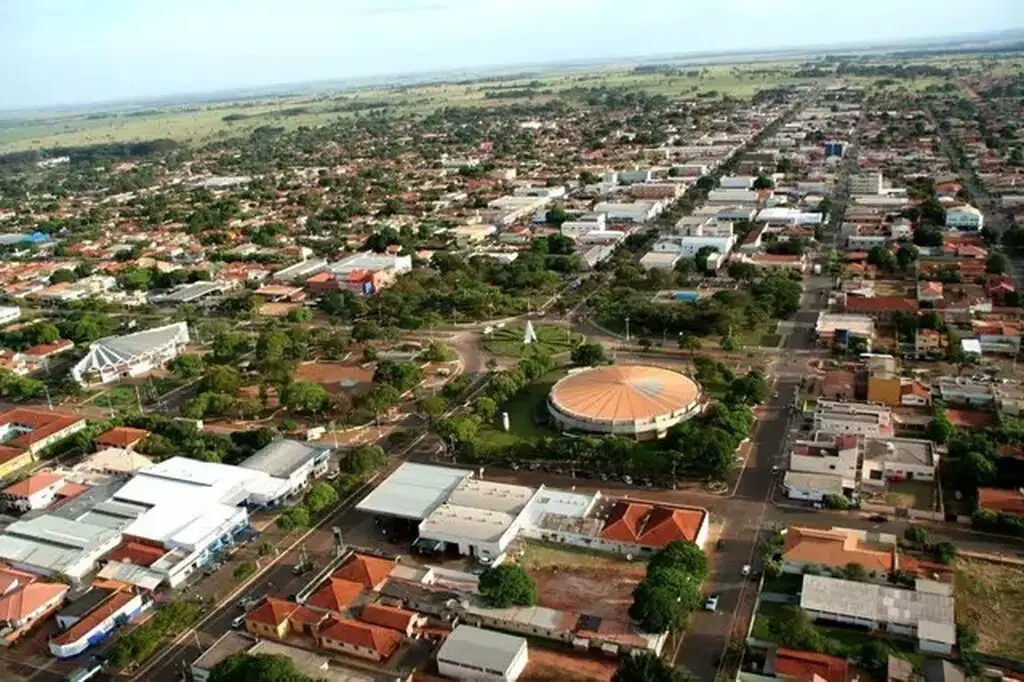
x,y
283,457
623,393
413,491
117,351
470,646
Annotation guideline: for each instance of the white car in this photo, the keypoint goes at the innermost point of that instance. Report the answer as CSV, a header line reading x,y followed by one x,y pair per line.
x,y
711,603
745,572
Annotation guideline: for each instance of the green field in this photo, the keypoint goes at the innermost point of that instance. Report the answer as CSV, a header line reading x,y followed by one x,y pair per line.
x,y
508,342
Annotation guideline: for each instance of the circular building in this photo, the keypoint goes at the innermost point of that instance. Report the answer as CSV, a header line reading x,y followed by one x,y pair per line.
x,y
626,400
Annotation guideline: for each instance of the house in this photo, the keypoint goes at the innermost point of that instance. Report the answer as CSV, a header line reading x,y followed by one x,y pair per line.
x,y
115,608
406,622
964,218
132,355
811,487
335,595
898,459
997,337
25,601
471,653
649,526
838,384
355,638
123,437
25,432
277,619
834,548
929,343
659,260
929,291
959,391
833,455
368,571
38,491
837,330
861,419
915,394
925,615
803,666
1001,500
313,666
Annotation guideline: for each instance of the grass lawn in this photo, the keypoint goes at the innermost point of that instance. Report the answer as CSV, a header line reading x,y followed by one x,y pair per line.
x,y
120,398
508,342
787,583
521,409
990,598
912,495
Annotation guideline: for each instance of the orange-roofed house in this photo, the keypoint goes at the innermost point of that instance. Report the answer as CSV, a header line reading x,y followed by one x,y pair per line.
x,y
369,571
25,600
406,622
1001,500
38,491
124,437
364,640
335,595
803,666
834,548
277,619
642,527
25,431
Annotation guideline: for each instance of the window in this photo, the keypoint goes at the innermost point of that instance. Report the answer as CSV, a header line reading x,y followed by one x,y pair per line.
x,y
875,475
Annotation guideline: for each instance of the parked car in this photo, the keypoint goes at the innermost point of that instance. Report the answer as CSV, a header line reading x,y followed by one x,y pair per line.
x,y
238,622
627,479
745,571
711,603
878,518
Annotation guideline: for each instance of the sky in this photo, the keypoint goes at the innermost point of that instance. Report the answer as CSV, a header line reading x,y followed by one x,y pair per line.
x,y
82,51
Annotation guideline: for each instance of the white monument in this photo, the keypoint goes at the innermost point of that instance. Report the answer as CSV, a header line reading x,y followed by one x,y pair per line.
x,y
530,336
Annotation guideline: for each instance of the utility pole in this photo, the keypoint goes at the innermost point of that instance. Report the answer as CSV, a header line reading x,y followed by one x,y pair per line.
x,y
627,330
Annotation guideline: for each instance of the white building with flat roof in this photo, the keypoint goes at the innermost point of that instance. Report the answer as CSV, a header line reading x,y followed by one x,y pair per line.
x,y
861,419
413,491
471,653
964,218
8,314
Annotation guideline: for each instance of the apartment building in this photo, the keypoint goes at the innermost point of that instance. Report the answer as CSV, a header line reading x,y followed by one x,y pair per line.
x,y
866,183
861,419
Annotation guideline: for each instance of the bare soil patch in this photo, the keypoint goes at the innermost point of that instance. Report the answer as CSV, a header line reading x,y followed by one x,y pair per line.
x,y
990,598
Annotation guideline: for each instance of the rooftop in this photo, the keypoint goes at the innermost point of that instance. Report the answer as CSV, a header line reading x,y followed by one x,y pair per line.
x,y
413,490
33,484
629,393
481,648
881,603
804,665
120,437
652,525
283,457
382,640
839,547
900,450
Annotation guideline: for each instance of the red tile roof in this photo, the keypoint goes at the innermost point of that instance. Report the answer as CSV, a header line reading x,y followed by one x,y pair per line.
x,y
103,611
136,553
835,547
877,304
368,571
33,484
45,350
387,616
121,437
43,423
336,594
19,603
272,612
971,419
382,640
804,665
652,525
1001,500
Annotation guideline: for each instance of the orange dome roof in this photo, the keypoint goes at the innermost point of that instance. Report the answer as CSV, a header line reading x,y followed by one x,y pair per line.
x,y
623,393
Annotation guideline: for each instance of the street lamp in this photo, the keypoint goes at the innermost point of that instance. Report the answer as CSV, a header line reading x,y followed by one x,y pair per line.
x,y
627,329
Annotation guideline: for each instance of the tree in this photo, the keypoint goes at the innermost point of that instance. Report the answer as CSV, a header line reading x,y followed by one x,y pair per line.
x,y
750,389
940,429
689,342
257,668
742,270
63,275
438,351
366,459
915,535
794,629
320,497
645,667
874,655
855,571
681,555
295,518
458,429
588,355
945,552
221,379
306,397
655,607
433,406
187,366
836,501
485,408
402,375
882,258
700,259
906,255
300,315
997,264
763,181
507,585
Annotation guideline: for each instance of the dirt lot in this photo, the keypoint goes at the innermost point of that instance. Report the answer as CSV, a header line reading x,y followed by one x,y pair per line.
x,y
547,665
584,582
335,376
990,598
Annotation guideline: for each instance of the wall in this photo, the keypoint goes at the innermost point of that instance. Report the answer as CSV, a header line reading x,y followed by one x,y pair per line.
x,y
345,647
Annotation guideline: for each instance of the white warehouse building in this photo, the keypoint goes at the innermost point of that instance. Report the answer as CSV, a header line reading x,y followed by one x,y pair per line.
x,y
132,355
